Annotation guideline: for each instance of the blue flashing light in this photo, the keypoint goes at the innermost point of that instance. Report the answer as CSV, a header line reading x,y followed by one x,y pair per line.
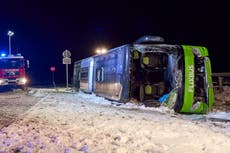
x,y
3,54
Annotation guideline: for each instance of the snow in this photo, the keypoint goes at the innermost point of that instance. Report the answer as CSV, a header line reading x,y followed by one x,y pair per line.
x,y
70,122
220,115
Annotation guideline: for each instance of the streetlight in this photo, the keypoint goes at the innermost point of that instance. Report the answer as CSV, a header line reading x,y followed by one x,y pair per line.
x,y
10,34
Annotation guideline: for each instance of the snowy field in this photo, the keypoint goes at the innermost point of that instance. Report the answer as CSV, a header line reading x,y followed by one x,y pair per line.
x,y
71,122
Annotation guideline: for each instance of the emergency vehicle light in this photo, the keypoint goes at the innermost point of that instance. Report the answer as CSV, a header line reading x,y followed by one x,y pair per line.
x,y
3,54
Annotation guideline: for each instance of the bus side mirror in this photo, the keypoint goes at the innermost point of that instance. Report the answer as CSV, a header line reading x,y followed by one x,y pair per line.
x,y
27,63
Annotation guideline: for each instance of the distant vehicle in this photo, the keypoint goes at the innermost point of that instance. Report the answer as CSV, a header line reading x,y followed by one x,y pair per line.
x,y
150,71
12,71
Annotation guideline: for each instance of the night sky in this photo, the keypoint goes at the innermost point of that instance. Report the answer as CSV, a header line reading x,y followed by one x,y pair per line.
x,y
44,29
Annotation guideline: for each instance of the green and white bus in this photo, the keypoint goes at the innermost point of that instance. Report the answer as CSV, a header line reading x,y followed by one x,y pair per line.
x,y
150,71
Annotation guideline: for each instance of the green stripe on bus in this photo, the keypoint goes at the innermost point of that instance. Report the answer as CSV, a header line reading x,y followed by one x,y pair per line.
x,y
189,79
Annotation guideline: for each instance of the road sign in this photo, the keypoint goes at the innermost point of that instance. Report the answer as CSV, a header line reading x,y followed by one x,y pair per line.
x,y
52,68
66,60
66,53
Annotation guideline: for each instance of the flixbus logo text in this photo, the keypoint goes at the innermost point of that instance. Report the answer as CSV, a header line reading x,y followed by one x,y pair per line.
x,y
190,78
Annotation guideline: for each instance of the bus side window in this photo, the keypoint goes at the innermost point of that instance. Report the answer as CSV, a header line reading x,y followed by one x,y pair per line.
x,y
100,74
79,76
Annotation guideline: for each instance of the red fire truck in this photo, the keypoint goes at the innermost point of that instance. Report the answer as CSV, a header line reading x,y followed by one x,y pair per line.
x,y
12,71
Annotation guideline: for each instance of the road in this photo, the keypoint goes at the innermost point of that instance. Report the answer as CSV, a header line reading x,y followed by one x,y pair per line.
x,y
14,104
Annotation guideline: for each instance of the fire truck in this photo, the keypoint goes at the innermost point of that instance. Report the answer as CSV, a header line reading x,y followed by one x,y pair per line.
x,y
13,71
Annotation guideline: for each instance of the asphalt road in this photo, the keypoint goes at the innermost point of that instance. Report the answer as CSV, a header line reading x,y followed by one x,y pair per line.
x,y
13,104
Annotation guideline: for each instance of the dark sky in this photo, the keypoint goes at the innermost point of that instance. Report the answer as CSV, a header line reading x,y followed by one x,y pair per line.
x,y
44,29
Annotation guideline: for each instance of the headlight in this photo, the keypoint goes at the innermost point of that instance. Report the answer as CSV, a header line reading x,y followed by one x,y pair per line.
x,y
24,80
1,81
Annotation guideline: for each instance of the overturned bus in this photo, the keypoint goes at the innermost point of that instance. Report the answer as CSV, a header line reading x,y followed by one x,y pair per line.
x,y
150,71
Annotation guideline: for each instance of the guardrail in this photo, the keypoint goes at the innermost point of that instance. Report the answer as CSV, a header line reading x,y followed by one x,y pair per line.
x,y
220,80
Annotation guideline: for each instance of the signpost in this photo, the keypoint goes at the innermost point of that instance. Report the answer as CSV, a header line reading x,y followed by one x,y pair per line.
x,y
52,69
66,60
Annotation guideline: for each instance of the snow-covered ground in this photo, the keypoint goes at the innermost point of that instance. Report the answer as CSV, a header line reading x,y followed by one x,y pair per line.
x,y
70,122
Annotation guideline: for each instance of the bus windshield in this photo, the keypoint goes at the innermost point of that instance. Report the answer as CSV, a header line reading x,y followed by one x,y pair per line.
x,y
11,63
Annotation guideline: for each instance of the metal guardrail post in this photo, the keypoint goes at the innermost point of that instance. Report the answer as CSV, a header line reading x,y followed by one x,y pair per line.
x,y
220,80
